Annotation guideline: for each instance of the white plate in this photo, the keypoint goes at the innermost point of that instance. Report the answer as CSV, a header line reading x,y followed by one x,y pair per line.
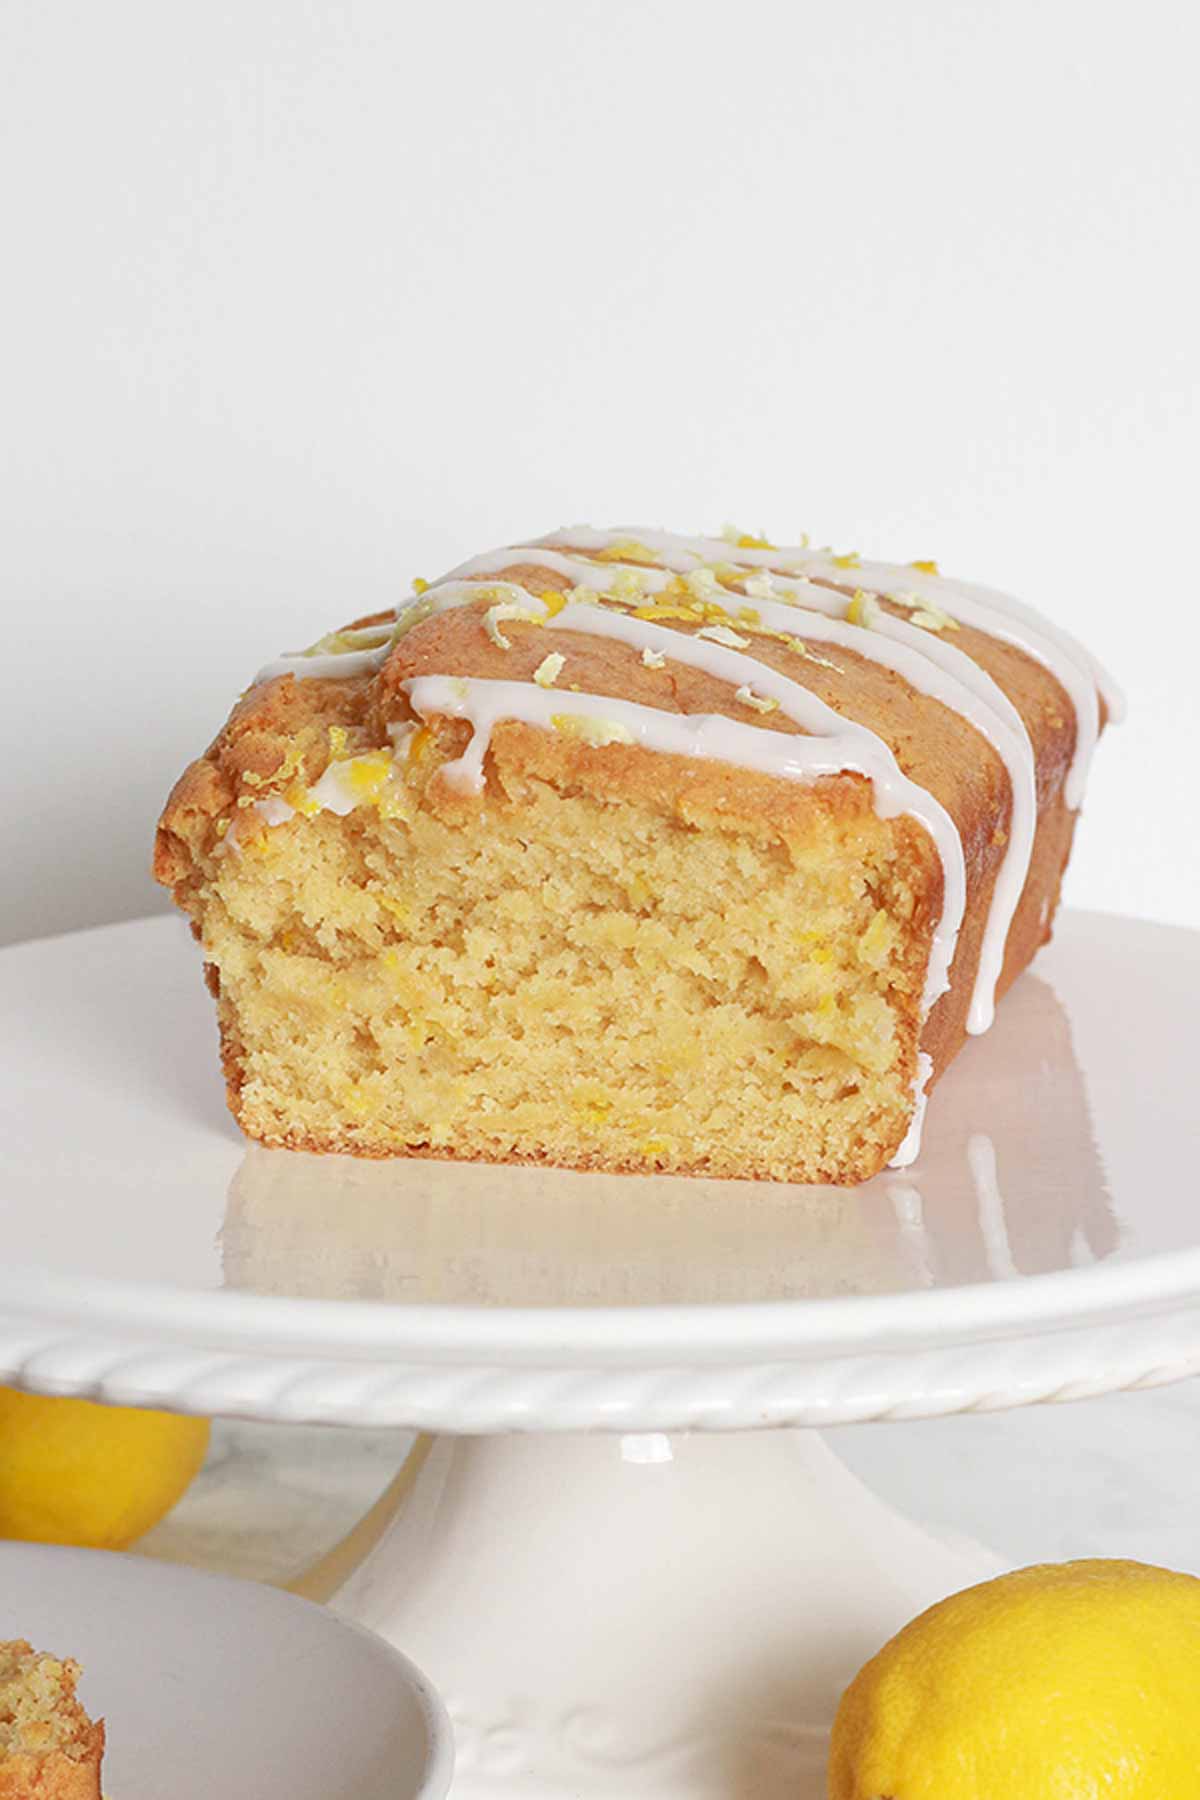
x,y
216,1687
151,1254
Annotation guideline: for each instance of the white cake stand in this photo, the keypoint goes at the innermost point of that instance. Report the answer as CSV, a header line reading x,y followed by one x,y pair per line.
x,y
624,1577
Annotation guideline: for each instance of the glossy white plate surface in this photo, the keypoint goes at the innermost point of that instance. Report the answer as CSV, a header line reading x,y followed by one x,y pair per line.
x,y
216,1687
151,1253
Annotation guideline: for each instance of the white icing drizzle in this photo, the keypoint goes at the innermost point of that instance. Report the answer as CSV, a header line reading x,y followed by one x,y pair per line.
x,y
999,615
910,1147
338,666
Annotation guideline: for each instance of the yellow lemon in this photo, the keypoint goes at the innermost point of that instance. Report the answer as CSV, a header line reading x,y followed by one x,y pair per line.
x,y
1068,1681
72,1472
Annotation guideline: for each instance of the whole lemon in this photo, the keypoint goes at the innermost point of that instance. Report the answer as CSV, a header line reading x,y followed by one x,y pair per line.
x,y
73,1472
1067,1681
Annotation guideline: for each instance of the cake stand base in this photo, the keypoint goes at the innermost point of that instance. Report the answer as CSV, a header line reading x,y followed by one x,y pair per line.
x,y
640,1615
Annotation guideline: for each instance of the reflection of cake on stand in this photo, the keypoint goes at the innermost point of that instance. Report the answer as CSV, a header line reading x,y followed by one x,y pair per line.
x,y
471,1234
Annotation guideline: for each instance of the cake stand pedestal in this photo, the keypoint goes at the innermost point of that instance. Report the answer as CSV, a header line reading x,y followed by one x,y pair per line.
x,y
679,1621
620,1547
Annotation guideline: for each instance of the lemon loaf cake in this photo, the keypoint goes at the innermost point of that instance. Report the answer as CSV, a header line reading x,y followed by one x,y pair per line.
x,y
49,1748
630,851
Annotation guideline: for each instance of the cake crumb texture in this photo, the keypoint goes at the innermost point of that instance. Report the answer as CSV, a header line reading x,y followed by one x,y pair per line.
x,y
49,1748
564,980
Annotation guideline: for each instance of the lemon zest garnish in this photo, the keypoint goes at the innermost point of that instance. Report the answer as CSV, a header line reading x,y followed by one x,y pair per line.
x,y
924,613
626,550
627,586
419,585
721,634
553,600
660,611
507,609
807,651
702,583
849,559
549,669
342,643
863,610
653,659
745,540
926,565
301,800
760,585
367,774
595,732
760,702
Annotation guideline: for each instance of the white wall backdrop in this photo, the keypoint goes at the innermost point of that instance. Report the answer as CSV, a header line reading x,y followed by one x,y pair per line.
x,y
300,300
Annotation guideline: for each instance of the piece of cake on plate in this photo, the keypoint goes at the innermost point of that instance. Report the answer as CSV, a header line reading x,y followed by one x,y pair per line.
x,y
49,1748
629,851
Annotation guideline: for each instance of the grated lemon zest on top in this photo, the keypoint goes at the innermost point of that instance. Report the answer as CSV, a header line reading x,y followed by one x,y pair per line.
x,y
745,540
760,702
864,610
549,669
342,643
923,613
702,583
653,659
662,610
760,585
302,800
627,586
626,550
721,634
507,609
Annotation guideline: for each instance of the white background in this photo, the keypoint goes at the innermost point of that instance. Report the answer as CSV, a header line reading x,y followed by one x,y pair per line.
x,y
300,300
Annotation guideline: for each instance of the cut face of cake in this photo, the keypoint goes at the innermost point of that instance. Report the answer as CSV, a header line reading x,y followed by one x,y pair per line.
x,y
634,852
49,1748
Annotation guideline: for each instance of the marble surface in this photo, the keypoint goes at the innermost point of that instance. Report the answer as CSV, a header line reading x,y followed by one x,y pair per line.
x,y
1118,1476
